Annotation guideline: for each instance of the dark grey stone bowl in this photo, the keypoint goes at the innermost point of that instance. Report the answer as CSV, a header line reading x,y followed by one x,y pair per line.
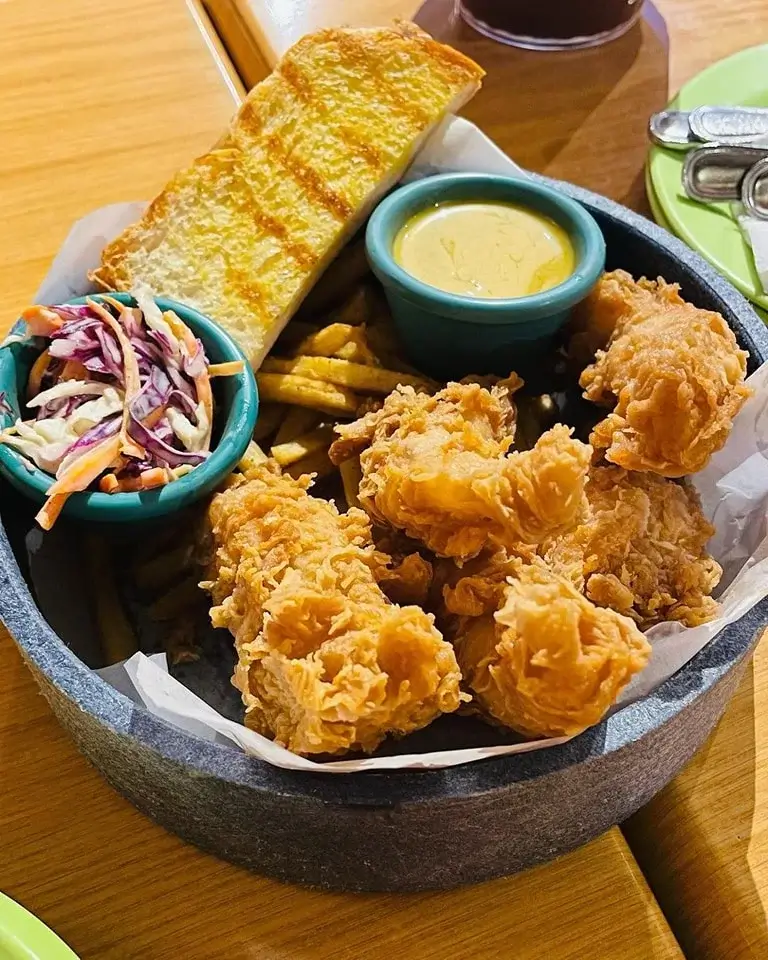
x,y
408,830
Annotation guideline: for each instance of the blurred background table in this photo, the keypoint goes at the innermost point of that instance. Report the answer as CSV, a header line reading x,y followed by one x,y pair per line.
x,y
101,103
581,116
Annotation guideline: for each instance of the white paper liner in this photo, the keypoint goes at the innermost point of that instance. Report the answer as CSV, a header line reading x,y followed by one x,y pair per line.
x,y
733,489
755,232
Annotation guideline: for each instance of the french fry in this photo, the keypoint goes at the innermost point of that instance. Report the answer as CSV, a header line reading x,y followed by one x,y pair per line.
x,y
305,392
340,340
351,475
318,463
226,369
344,373
161,570
270,415
287,453
252,457
365,304
326,341
118,641
176,600
297,422
358,351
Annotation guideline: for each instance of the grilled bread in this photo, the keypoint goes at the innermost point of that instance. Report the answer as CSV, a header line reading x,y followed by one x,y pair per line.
x,y
244,232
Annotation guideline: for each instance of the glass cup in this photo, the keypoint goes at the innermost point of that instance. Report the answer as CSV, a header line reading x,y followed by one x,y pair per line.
x,y
551,24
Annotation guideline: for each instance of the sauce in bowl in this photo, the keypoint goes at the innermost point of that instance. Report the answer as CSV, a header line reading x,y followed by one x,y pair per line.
x,y
488,250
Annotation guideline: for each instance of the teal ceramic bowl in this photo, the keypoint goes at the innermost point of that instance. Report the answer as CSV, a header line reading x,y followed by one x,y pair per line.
x,y
236,405
450,335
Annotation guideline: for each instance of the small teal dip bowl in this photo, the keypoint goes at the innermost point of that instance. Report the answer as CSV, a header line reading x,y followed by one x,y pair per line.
x,y
448,335
236,406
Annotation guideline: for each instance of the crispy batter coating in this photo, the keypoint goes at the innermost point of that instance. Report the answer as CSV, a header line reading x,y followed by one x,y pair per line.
x,y
549,663
326,663
409,576
477,587
672,373
437,469
642,549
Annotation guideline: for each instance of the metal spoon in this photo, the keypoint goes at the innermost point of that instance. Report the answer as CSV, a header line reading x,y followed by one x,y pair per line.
x,y
681,129
718,172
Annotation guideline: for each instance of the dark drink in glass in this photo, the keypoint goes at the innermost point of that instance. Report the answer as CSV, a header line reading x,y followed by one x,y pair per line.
x,y
551,24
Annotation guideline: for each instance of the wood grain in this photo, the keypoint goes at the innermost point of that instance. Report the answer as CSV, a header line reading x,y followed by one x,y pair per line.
x,y
700,31
703,841
100,103
80,126
578,116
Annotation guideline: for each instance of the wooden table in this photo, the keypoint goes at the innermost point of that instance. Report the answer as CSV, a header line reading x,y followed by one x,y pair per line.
x,y
703,843
100,103
578,116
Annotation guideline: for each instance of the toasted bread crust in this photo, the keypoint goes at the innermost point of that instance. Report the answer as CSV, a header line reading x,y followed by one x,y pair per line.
x,y
243,233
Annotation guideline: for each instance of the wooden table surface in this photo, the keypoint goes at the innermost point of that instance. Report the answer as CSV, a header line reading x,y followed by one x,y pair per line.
x,y
100,103
578,116
703,842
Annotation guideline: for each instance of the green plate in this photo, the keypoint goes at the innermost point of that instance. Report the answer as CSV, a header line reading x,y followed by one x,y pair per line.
x,y
24,937
709,228
658,216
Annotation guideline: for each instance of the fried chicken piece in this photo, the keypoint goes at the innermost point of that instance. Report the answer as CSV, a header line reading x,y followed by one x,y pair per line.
x,y
409,575
477,587
326,663
615,297
408,580
436,467
549,662
673,374
642,549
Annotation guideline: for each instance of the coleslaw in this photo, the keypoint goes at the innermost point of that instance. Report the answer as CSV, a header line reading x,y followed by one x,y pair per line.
x,y
120,398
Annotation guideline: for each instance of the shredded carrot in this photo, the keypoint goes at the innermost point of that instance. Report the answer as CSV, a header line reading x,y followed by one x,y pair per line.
x,y
41,321
127,485
128,445
227,369
149,480
203,381
50,511
157,477
115,303
154,417
80,474
36,374
109,483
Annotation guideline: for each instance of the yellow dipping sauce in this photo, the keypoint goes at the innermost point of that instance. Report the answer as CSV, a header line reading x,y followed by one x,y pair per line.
x,y
489,250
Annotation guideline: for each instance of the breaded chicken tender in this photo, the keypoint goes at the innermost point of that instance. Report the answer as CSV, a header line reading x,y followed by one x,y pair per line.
x,y
641,550
549,662
326,663
436,468
673,374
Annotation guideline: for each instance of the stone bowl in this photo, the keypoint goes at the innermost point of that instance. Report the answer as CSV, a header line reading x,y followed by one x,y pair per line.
x,y
405,830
